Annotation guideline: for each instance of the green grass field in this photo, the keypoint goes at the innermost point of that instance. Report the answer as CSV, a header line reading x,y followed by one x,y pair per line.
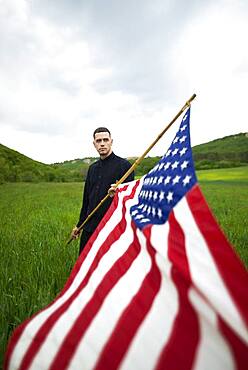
x,y
36,220
238,174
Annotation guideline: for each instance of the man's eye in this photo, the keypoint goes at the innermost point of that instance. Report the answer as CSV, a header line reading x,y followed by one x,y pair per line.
x,y
105,140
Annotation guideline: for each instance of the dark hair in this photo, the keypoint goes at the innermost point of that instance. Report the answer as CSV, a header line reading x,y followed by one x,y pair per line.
x,y
101,129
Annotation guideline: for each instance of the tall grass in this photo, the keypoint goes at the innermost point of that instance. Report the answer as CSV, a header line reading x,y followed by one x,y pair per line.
x,y
35,222
35,260
229,203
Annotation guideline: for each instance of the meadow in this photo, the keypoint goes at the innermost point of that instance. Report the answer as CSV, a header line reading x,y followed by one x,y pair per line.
x,y
35,223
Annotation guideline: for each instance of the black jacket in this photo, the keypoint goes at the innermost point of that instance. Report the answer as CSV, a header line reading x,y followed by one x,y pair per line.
x,y
100,176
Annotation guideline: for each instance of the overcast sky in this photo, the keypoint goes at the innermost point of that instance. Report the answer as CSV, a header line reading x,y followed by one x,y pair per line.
x,y
69,66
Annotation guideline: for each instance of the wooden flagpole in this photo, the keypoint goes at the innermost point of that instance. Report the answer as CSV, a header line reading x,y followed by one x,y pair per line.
x,y
137,162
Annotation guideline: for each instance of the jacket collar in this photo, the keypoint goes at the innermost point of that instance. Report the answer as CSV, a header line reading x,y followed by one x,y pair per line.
x,y
109,157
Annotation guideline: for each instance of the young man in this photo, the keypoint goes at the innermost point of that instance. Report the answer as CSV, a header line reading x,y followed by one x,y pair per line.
x,y
101,175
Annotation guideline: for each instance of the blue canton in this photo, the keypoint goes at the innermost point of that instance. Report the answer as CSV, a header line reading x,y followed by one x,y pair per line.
x,y
167,182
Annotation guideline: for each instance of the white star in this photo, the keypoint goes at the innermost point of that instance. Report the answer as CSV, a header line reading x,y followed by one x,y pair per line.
x,y
167,165
160,180
175,151
167,180
186,180
161,166
155,195
161,196
174,165
139,217
153,211
145,220
145,208
169,196
183,138
168,153
140,206
184,164
175,140
183,151
149,210
183,128
176,180
154,180
150,194
160,214
134,212
185,117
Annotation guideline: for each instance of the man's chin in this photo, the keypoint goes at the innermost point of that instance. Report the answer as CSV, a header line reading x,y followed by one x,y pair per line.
x,y
104,153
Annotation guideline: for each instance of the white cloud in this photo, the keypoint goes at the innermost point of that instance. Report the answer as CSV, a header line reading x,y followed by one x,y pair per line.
x,y
209,58
66,68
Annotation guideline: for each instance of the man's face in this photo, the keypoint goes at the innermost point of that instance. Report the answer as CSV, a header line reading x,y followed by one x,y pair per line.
x,y
103,144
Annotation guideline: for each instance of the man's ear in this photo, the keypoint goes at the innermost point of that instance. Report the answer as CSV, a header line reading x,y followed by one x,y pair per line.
x,y
94,143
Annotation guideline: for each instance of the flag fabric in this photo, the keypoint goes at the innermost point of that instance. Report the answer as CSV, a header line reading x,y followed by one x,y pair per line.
x,y
158,286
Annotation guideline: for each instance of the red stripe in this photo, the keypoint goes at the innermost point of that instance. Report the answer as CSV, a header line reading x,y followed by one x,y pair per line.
x,y
176,249
179,351
132,317
44,330
91,241
12,343
238,347
87,315
19,330
233,273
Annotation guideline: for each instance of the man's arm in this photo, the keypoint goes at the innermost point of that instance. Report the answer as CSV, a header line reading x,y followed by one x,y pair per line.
x,y
126,167
83,213
130,177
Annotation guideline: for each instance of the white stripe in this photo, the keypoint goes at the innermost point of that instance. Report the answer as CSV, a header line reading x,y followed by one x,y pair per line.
x,y
204,272
35,324
63,325
159,239
213,352
104,323
155,330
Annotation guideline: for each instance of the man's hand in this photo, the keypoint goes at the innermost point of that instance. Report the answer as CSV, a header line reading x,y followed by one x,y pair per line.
x,y
75,233
112,190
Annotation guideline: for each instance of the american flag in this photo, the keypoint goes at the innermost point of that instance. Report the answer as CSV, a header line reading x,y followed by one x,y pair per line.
x,y
158,286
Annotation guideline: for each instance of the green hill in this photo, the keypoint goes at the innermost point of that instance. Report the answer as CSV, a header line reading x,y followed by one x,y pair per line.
x,y
76,164
230,151
17,167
